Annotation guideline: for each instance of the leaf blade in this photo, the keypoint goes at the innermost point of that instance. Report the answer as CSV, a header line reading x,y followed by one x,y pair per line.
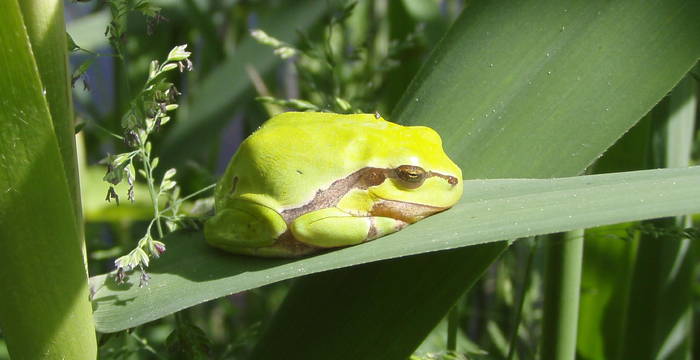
x,y
44,307
193,273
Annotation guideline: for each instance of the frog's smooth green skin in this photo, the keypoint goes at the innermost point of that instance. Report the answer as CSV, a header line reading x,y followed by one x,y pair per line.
x,y
308,181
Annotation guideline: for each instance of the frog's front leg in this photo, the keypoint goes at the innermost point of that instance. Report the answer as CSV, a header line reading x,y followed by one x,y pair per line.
x,y
332,227
244,225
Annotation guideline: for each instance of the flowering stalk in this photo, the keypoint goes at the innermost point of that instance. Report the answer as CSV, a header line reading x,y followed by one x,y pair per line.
x,y
146,114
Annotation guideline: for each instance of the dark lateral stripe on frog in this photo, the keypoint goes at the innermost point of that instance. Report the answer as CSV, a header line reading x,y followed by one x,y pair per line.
x,y
360,179
294,248
364,178
372,232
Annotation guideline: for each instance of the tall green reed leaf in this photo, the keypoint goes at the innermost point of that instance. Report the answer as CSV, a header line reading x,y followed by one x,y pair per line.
x,y
44,306
497,209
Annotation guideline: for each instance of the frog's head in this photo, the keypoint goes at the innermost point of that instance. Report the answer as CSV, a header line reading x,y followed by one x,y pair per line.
x,y
417,178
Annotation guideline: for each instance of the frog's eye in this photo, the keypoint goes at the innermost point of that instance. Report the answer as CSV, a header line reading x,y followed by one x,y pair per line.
x,y
411,176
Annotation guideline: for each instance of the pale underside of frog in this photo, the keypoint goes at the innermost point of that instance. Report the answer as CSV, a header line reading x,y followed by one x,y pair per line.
x,y
305,182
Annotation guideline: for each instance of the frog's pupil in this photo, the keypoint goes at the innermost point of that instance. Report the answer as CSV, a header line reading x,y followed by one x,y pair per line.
x,y
411,174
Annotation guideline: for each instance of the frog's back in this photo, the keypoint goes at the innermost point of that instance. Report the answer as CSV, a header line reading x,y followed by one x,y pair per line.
x,y
317,128
351,138
311,150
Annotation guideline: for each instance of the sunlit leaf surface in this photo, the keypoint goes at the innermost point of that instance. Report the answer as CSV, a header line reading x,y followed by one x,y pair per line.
x,y
190,272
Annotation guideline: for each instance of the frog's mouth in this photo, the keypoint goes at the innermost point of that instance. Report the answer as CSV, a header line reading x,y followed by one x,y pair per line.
x,y
404,211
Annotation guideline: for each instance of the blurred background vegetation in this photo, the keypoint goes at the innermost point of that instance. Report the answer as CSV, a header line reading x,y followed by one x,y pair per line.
x,y
352,57
335,56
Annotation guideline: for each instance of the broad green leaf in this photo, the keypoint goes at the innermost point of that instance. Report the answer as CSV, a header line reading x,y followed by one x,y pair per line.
x,y
44,306
513,81
47,33
190,272
516,89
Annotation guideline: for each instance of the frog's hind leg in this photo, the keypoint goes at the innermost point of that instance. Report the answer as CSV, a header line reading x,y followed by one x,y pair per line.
x,y
244,226
332,227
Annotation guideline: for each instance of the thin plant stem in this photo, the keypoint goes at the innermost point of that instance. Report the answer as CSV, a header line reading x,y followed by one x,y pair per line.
x,y
521,300
204,189
155,99
564,257
151,189
144,344
105,130
452,320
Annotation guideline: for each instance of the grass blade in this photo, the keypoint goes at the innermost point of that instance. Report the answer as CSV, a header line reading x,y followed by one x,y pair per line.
x,y
494,210
47,33
41,263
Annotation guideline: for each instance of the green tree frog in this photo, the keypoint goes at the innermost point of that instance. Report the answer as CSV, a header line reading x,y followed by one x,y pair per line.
x,y
305,182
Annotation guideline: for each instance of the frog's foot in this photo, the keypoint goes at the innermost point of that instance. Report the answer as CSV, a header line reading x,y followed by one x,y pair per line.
x,y
244,225
332,227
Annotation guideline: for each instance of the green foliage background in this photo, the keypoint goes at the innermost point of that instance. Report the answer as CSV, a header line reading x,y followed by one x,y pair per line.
x,y
526,89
